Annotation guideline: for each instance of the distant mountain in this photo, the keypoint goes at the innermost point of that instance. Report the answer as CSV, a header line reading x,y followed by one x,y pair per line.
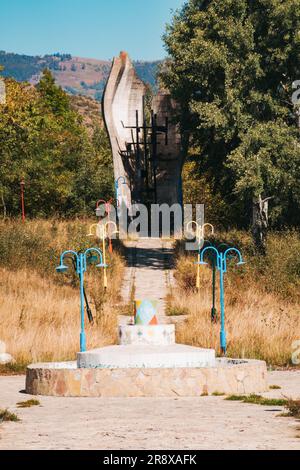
x,y
76,75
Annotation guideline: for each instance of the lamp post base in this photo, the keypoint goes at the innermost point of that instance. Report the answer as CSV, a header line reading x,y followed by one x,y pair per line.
x,y
223,342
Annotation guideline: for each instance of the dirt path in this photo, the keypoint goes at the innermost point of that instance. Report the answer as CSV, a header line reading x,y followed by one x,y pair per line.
x,y
148,423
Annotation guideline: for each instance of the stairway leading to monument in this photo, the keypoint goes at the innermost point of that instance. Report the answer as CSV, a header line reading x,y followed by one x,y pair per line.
x,y
149,273
147,362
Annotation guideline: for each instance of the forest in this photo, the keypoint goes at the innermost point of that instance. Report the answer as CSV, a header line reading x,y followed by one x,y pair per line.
x,y
66,166
231,65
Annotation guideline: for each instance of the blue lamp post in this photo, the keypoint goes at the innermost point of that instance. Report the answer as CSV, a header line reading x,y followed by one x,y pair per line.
x,y
82,259
121,180
221,264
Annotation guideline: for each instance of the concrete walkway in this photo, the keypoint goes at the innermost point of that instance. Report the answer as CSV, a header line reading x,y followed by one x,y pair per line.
x,y
149,423
148,274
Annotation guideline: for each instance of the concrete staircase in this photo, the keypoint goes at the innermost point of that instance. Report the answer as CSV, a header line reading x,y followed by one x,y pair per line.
x,y
149,273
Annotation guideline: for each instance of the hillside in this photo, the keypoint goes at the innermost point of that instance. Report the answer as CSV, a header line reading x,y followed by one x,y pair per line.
x,y
90,111
76,75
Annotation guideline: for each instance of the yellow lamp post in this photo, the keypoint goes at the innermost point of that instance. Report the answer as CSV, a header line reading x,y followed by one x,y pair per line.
x,y
200,237
102,231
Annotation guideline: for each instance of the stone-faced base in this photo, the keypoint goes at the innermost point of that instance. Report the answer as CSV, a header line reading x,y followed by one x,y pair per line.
x,y
66,380
157,335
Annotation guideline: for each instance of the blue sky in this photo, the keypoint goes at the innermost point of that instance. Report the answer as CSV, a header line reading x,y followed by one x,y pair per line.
x,y
88,28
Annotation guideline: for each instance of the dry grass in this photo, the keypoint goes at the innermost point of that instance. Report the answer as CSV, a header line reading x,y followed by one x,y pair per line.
x,y
6,415
28,403
293,408
258,400
260,324
39,309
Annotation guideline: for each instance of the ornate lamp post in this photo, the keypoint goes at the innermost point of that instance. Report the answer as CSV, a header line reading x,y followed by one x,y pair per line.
x,y
108,211
221,263
82,260
200,235
121,180
213,264
120,198
102,232
107,205
213,261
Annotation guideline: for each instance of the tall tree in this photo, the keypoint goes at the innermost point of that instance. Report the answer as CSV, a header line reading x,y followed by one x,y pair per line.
x,y
231,67
44,141
53,96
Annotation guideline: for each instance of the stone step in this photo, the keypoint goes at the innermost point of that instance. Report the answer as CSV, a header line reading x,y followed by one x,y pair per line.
x,y
146,356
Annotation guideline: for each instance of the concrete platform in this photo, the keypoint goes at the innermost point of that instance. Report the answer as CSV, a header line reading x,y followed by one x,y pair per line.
x,y
66,380
156,335
146,356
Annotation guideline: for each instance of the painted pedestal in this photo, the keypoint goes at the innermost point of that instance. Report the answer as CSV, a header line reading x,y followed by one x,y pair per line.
x,y
156,335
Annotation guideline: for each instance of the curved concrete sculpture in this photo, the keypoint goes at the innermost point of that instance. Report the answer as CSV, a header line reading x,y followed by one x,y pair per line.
x,y
123,96
146,154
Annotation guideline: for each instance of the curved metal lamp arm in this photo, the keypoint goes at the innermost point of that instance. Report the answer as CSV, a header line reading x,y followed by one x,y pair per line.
x,y
99,202
191,222
213,249
106,203
96,250
119,179
110,222
91,230
117,187
70,252
203,227
237,252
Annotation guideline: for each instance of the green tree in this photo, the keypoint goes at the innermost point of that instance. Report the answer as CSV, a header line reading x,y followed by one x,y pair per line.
x,y
53,96
44,141
267,167
94,178
231,67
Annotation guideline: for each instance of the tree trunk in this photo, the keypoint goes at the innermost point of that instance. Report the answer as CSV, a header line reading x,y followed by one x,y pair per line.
x,y
4,206
260,223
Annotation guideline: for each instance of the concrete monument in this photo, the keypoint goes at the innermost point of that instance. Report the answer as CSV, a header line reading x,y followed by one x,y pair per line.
x,y
146,143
